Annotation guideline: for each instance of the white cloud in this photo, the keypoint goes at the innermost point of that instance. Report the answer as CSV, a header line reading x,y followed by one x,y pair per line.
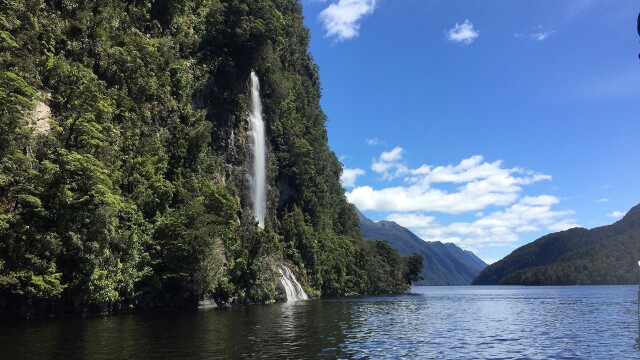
x,y
412,220
563,225
539,36
463,33
389,164
392,156
349,176
616,214
603,200
499,228
480,184
374,141
488,193
341,19
490,261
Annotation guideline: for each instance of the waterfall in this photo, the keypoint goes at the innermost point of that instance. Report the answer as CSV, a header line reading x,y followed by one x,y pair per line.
x,y
258,182
292,287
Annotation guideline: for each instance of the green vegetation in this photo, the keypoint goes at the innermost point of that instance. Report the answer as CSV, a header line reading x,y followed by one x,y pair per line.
x,y
604,255
130,191
444,264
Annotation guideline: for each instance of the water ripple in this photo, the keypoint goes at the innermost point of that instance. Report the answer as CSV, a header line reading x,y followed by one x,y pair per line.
x,y
433,323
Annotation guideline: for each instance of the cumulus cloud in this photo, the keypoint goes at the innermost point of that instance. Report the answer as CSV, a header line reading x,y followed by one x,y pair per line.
x,y
479,184
349,176
393,155
463,33
341,19
489,194
616,214
389,164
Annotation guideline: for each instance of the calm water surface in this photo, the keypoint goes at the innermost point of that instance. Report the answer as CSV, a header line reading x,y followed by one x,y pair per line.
x,y
590,322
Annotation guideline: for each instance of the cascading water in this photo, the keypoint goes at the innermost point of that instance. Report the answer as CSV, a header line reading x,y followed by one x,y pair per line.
x,y
292,288
258,182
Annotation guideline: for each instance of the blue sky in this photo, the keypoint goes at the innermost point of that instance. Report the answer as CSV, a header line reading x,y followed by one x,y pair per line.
x,y
483,123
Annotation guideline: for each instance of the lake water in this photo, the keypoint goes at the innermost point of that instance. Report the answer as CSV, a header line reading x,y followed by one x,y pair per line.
x,y
598,322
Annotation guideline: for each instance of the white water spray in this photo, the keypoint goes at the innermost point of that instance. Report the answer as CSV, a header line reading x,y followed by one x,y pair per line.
x,y
292,287
258,182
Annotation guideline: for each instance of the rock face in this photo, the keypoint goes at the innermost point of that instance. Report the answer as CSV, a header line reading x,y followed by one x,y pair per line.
x,y
444,264
41,115
603,255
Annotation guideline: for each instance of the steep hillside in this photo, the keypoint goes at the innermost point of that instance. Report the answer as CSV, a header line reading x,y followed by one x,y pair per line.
x,y
444,264
604,255
124,153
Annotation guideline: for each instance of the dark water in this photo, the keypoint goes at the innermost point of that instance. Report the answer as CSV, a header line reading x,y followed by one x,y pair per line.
x,y
598,322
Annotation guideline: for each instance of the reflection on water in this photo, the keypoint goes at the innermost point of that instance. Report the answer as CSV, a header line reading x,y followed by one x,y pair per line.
x,y
434,322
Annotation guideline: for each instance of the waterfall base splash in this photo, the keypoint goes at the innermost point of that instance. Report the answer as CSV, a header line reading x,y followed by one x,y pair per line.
x,y
292,288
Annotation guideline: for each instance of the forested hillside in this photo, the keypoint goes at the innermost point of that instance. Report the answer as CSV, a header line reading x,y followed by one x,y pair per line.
x,y
604,255
123,149
444,264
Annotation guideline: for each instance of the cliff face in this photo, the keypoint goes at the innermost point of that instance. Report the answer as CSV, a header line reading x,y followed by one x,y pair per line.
x,y
135,195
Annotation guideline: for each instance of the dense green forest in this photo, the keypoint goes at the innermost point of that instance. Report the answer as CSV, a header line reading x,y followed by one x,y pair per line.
x,y
123,159
604,255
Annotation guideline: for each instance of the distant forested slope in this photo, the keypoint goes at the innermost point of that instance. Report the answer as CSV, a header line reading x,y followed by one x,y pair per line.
x,y
124,152
604,255
444,264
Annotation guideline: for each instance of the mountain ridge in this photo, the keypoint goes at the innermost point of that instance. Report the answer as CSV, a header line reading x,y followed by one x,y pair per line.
x,y
444,263
602,255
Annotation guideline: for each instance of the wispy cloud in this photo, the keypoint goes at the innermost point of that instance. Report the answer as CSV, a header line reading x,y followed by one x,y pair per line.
x,y
349,176
374,141
577,9
463,33
603,200
341,19
618,85
499,228
539,36
616,214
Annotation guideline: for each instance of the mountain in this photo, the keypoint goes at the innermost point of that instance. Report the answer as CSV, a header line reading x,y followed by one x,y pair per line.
x,y
603,255
444,264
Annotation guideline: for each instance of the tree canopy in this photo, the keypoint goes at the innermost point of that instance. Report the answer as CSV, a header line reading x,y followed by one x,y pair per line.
x,y
130,191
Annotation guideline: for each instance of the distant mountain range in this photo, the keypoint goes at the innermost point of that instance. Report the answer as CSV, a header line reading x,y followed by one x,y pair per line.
x,y
444,264
603,255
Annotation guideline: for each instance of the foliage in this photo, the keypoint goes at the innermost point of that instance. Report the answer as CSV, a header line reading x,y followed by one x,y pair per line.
x,y
136,193
604,255
444,263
